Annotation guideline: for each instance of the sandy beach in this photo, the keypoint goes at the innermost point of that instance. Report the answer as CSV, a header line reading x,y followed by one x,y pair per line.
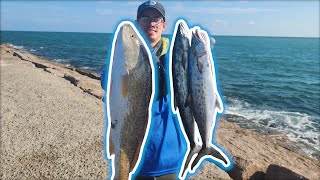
x,y
52,125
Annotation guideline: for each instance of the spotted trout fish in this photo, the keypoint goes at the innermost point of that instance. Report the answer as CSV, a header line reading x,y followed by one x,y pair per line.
x,y
205,99
180,79
129,95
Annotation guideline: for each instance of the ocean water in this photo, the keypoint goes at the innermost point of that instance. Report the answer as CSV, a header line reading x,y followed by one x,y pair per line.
x,y
269,84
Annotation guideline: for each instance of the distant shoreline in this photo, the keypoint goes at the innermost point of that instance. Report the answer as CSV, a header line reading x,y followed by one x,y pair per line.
x,y
82,71
262,36
91,80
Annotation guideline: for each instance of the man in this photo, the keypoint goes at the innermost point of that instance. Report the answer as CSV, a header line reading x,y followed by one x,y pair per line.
x,y
165,147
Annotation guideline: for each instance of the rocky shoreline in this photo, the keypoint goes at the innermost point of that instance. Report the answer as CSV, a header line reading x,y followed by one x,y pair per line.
x,y
52,127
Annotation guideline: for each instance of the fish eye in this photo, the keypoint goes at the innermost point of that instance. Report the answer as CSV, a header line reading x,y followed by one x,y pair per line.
x,y
133,36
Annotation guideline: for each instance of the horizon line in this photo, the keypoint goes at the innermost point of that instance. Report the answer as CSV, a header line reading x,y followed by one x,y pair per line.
x,y
272,36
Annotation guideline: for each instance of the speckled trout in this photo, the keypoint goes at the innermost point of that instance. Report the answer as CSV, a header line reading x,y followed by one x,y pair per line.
x,y
180,79
205,99
129,95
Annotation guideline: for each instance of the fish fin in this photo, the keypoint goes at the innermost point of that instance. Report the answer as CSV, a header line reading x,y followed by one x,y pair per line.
x,y
124,84
218,104
114,123
175,103
192,152
207,151
199,65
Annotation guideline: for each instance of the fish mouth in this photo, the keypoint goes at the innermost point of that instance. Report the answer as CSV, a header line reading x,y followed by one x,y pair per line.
x,y
127,28
199,35
183,29
129,33
199,42
195,37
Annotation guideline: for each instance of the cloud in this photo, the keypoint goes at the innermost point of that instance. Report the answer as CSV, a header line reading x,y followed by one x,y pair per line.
x,y
117,13
104,12
218,26
220,21
235,10
134,3
105,2
251,22
176,7
180,8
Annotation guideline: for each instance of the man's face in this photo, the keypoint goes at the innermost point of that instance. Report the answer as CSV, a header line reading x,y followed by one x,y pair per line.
x,y
152,24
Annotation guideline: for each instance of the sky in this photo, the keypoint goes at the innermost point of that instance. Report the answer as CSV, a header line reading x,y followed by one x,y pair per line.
x,y
237,18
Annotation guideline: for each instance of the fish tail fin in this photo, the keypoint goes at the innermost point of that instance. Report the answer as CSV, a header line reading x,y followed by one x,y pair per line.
x,y
193,151
219,104
207,151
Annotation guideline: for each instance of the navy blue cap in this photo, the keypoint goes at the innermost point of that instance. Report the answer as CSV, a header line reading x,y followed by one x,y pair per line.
x,y
151,4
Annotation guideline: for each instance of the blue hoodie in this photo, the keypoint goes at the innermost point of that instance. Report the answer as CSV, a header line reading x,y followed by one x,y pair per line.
x,y
165,146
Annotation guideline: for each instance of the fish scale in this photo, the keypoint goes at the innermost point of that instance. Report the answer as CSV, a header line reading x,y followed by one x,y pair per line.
x,y
180,74
205,99
196,97
128,99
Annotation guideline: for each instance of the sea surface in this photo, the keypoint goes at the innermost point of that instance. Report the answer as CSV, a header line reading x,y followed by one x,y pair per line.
x,y
269,84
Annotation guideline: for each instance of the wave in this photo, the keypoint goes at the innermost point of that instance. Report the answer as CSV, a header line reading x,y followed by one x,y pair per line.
x,y
16,47
60,60
299,127
87,68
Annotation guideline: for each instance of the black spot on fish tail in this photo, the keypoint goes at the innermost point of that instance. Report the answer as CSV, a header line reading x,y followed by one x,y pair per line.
x,y
207,151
